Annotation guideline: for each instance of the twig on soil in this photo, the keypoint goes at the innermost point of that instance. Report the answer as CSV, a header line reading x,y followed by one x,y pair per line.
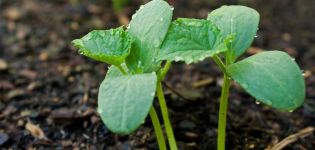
x,y
122,18
174,91
293,138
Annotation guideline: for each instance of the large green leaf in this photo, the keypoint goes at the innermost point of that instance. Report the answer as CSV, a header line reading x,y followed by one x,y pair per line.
x,y
109,46
191,40
240,21
271,77
148,26
125,100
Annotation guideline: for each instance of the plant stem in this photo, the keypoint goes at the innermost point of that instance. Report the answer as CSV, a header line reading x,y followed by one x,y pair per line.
x,y
219,62
122,70
155,120
164,71
168,126
157,128
223,112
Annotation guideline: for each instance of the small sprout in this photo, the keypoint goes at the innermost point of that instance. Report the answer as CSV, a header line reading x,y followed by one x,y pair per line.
x,y
136,73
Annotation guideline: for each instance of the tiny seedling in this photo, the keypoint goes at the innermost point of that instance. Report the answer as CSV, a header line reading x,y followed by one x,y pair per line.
x,y
272,77
127,92
136,54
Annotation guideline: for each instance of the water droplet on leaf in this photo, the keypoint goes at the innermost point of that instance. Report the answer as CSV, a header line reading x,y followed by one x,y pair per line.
x,y
99,110
257,102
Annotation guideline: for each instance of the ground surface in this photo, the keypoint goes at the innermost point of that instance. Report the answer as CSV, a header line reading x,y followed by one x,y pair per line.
x,y
45,82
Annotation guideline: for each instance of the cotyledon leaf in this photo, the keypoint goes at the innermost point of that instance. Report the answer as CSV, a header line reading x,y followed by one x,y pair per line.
x,y
148,27
109,46
240,21
191,40
272,77
124,101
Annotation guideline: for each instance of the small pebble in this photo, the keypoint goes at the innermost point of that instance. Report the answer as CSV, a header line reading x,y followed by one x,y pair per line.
x,y
3,65
3,138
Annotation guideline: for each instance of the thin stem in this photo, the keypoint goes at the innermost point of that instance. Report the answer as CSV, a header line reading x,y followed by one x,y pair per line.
x,y
223,112
219,62
155,121
122,70
168,126
165,70
157,129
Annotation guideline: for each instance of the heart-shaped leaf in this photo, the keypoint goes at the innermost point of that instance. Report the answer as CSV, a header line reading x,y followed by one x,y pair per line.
x,y
148,27
124,101
240,21
191,40
272,77
109,46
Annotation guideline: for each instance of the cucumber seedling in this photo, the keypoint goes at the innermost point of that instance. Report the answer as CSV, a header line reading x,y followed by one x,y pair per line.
x,y
126,95
136,54
272,77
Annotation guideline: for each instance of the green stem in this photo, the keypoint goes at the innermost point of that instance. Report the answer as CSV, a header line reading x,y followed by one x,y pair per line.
x,y
168,126
219,62
157,129
223,112
155,120
164,70
122,70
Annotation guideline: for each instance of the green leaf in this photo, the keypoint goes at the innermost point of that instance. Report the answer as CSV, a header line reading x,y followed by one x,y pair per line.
x,y
148,26
272,77
191,40
124,101
109,46
240,21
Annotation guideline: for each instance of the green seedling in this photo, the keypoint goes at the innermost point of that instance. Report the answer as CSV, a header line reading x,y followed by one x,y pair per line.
x,y
272,77
134,79
136,54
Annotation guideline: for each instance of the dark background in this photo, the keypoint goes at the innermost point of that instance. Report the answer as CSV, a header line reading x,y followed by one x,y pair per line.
x,y
45,82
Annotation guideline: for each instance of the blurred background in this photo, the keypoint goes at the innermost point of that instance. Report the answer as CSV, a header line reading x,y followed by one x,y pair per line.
x,y
48,92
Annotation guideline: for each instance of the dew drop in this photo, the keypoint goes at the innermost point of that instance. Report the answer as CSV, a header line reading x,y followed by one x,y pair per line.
x,y
178,58
139,64
156,43
172,8
245,86
99,110
268,102
257,102
303,74
141,7
256,36
293,59
291,111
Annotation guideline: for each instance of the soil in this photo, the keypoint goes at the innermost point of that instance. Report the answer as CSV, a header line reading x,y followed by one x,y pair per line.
x,y
48,92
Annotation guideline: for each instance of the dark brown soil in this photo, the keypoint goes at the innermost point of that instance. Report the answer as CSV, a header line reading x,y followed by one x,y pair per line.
x,y
45,82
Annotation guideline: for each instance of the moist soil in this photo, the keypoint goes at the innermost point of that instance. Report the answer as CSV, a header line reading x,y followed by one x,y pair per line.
x,y
48,92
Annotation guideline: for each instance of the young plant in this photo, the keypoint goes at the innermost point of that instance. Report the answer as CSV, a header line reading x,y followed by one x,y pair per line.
x,y
134,78
127,92
272,77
